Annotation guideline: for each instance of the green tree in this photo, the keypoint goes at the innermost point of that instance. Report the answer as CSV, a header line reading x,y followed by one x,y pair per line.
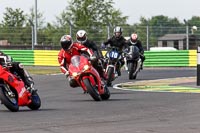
x,y
53,34
194,21
14,18
158,26
91,15
13,26
40,18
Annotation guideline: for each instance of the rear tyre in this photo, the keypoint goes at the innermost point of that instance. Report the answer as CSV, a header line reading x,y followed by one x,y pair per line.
x,y
92,90
35,101
9,99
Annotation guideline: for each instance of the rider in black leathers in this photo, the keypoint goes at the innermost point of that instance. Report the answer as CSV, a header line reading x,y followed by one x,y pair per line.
x,y
117,41
17,68
81,37
135,41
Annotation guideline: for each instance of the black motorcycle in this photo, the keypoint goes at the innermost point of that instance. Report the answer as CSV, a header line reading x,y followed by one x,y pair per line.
x,y
133,61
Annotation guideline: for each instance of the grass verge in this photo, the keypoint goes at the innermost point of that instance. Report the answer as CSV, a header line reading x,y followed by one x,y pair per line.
x,y
40,70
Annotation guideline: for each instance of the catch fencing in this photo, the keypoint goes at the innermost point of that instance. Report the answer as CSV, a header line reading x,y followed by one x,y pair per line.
x,y
149,35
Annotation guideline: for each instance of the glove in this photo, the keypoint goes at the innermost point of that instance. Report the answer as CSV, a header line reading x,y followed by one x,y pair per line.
x,y
103,46
93,58
67,74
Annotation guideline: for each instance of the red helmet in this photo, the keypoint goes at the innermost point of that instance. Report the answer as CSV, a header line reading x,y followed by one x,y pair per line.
x,y
66,42
134,38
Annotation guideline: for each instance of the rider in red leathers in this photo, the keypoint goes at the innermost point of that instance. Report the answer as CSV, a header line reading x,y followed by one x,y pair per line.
x,y
68,50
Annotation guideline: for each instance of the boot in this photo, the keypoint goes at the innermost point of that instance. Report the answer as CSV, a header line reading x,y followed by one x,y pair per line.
x,y
119,72
29,82
141,67
73,83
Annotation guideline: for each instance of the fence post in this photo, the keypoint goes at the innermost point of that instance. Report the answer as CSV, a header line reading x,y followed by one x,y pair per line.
x,y
147,36
198,66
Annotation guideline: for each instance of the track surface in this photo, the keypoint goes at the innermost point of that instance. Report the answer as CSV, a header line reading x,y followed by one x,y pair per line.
x,y
68,110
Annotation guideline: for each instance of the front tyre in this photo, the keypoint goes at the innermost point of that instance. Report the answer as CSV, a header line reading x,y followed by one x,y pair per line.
x,y
106,94
110,74
9,99
132,68
35,101
92,90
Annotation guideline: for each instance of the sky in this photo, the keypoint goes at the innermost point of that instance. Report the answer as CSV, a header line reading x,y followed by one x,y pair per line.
x,y
134,9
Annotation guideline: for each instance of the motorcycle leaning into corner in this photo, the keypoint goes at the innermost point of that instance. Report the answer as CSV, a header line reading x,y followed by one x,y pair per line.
x,y
83,74
132,61
13,92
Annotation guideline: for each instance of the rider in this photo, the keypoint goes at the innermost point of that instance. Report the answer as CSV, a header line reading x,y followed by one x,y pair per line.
x,y
81,37
117,40
68,50
135,41
18,69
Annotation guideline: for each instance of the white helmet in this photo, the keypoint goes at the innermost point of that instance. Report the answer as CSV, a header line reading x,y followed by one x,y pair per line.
x,y
81,36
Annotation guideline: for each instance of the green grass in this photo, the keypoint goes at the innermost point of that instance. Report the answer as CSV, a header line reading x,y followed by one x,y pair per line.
x,y
40,70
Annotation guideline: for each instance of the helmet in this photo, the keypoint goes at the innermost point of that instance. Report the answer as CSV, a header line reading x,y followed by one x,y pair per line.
x,y
66,42
117,32
81,36
133,38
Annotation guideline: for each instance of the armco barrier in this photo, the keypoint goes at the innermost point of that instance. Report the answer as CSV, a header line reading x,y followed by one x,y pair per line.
x,y
167,58
24,56
193,58
46,58
153,58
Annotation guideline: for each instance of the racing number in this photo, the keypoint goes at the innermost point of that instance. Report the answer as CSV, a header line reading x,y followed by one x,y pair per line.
x,y
114,54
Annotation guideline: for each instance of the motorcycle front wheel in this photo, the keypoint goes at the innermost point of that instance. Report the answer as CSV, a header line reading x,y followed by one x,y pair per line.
x,y
9,99
35,101
110,74
92,90
132,68
106,94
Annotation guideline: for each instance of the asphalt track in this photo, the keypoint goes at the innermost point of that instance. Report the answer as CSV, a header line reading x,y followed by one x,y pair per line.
x,y
68,110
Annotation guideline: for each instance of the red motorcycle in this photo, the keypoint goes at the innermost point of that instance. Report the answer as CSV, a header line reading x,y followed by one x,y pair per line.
x,y
86,76
13,92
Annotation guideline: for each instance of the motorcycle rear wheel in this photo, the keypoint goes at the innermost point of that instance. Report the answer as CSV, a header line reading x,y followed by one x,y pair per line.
x,y
92,90
36,102
11,102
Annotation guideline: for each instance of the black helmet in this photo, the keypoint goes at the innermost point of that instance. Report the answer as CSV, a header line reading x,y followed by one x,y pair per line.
x,y
117,32
66,42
